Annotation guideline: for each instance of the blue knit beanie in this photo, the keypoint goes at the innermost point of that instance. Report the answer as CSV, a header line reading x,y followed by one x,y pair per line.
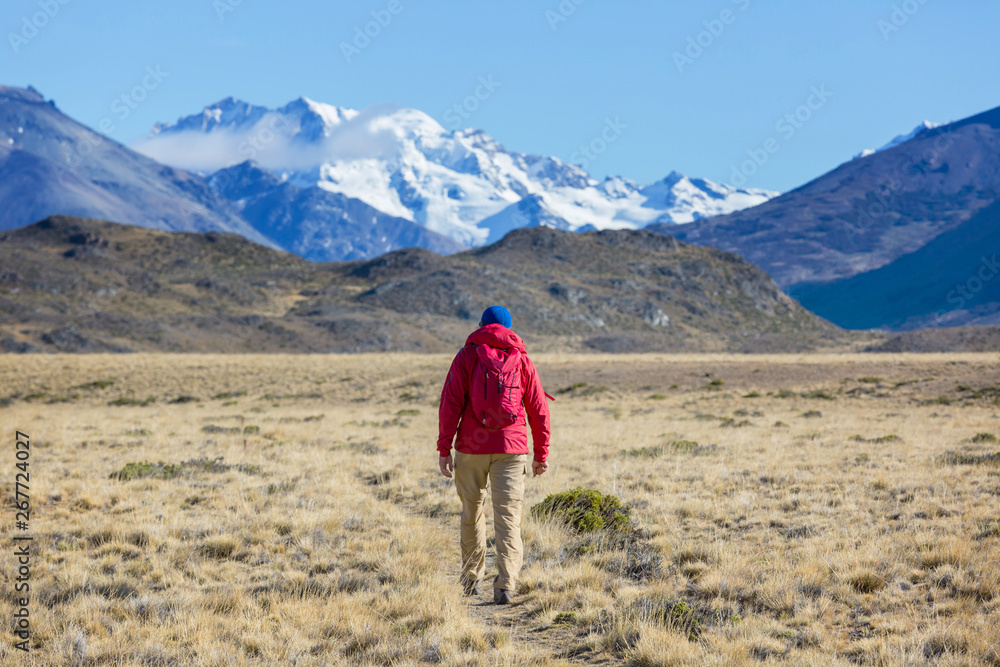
x,y
496,315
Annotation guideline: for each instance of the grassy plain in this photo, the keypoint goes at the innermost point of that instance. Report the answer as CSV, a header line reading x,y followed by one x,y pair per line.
x,y
804,509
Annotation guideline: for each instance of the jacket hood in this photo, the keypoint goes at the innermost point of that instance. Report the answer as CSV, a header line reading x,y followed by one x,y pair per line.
x,y
496,335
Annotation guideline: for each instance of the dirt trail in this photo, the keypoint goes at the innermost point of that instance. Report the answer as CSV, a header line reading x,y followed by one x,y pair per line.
x,y
546,644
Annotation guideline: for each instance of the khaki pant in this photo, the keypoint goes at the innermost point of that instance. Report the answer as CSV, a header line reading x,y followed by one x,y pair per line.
x,y
506,474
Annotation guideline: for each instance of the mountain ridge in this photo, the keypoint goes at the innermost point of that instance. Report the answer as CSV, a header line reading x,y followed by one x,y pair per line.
x,y
404,163
72,284
865,213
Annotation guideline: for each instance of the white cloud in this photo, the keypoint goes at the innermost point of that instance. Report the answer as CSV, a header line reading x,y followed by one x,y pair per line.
x,y
274,143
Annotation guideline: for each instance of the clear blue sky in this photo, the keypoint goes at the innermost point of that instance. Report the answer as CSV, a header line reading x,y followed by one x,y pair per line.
x,y
559,80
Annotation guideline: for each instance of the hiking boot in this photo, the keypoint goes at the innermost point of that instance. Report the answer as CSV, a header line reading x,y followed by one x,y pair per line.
x,y
501,596
471,588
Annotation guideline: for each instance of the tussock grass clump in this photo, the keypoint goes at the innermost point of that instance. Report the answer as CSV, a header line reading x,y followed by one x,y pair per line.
x,y
213,428
643,452
878,440
217,547
681,615
866,581
585,510
687,447
983,437
161,470
952,458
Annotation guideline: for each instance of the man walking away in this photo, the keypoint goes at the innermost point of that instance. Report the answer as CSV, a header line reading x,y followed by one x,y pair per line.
x,y
490,398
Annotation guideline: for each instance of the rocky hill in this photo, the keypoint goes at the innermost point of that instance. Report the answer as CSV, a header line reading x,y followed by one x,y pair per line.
x,y
72,284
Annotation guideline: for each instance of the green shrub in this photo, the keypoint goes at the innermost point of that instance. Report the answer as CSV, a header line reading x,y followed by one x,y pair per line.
x,y
140,469
161,470
585,510
984,437
128,400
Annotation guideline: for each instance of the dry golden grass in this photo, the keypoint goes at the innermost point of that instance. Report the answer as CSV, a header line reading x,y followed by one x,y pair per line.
x,y
802,509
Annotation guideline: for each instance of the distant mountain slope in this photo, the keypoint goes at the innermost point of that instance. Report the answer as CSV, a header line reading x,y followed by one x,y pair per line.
x,y
51,164
404,164
73,284
317,224
868,212
952,280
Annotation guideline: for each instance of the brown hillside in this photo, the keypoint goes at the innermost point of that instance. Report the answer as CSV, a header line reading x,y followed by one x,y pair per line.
x,y
73,284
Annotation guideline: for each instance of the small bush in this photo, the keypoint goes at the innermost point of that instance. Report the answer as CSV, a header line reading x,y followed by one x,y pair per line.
x,y
879,440
140,469
128,401
585,510
564,618
228,394
161,470
96,384
690,447
212,428
984,437
644,452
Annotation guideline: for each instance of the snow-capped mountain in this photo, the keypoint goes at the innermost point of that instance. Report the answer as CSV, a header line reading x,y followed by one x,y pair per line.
x,y
461,184
901,139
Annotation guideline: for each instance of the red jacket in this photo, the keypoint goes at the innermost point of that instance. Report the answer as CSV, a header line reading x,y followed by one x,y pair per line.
x,y
456,416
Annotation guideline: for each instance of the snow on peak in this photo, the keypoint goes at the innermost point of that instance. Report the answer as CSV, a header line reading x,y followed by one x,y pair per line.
x,y
900,139
463,184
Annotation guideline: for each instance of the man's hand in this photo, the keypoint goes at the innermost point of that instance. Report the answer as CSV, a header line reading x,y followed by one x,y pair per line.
x,y
446,465
539,468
